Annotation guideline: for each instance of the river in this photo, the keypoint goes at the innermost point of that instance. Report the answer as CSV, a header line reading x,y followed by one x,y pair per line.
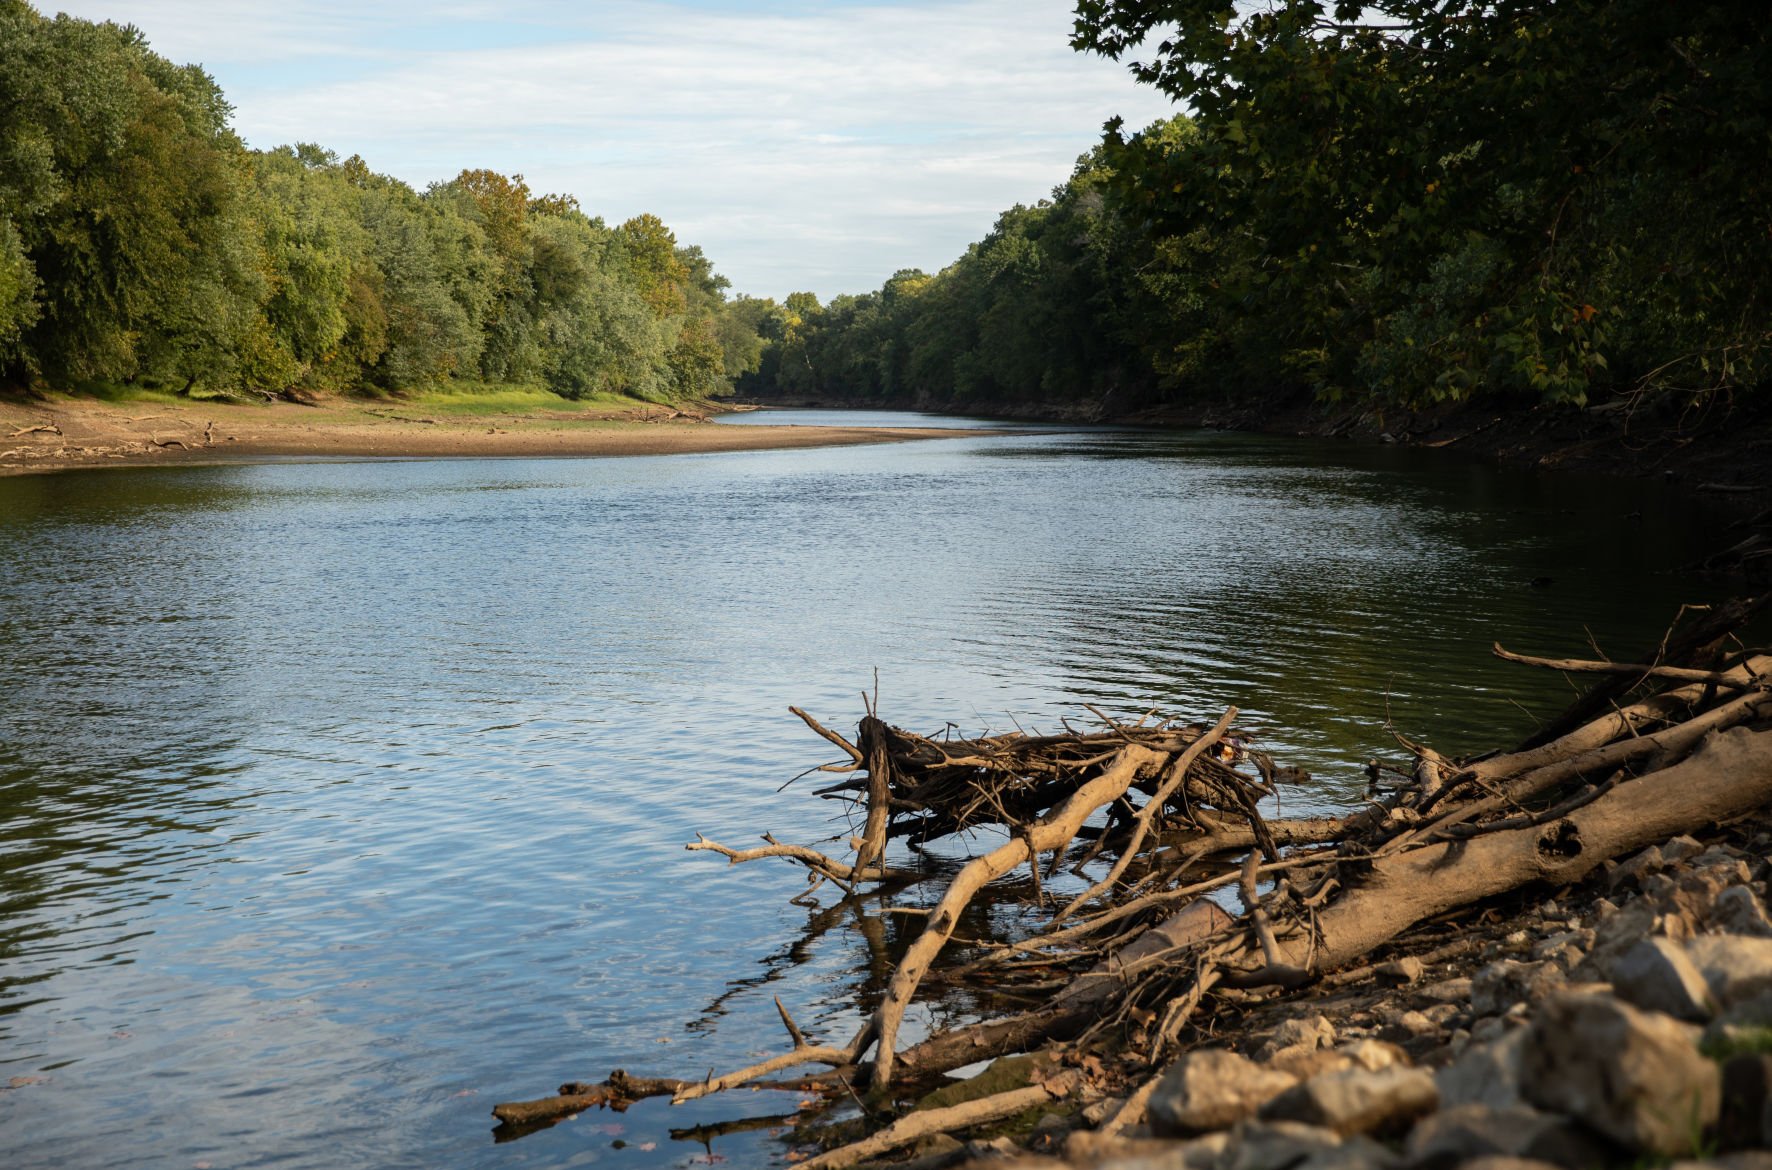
x,y
342,800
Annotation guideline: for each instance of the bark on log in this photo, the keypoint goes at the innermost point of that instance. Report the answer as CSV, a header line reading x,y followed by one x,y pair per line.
x,y
1729,776
912,1126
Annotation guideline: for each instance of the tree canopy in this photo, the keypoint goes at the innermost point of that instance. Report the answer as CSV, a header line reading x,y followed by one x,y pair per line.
x,y
141,241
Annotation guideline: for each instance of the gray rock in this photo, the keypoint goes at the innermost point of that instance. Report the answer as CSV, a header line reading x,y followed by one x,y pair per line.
x,y
1737,911
1565,948
1445,991
1636,867
1212,1088
1617,933
1678,849
1405,970
1284,1145
1484,1074
1736,967
1200,1154
1656,976
1636,1077
1502,984
1357,1100
1310,1033
1453,1136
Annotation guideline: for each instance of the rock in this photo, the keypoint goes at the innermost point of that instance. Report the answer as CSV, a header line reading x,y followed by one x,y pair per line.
x,y
1617,933
1636,867
1504,983
1740,1160
1453,1136
1357,1100
1284,1145
1097,1112
1212,1088
1738,911
1445,991
1746,1118
1678,849
1203,1153
1407,970
1310,1033
1656,976
1565,948
1373,1055
1302,1064
1484,1074
1635,1076
1736,967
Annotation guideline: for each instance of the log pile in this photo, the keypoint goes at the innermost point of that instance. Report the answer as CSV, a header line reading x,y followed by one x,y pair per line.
x,y
1134,836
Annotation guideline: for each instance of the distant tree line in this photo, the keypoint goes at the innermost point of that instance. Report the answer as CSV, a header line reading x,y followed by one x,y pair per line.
x,y
142,242
1401,202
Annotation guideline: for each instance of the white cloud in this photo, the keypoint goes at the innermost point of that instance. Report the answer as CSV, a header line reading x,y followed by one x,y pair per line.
x,y
803,146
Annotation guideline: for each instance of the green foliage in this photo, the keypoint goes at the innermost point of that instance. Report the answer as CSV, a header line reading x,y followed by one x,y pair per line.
x,y
140,242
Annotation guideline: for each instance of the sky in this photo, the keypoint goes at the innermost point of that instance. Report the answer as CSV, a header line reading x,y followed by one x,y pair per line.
x,y
804,144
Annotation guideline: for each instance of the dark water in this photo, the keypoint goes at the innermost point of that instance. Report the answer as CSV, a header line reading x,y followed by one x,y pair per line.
x,y
340,801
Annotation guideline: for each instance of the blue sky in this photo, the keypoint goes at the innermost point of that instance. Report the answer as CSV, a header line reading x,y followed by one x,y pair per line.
x,y
803,145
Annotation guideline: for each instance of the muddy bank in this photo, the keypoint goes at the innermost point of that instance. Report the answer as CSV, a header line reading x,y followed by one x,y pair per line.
x,y
69,433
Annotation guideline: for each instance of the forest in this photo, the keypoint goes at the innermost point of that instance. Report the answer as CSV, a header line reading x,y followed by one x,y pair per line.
x,y
1395,204
141,242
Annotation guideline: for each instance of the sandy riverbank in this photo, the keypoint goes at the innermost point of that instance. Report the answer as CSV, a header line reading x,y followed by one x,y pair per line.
x,y
69,433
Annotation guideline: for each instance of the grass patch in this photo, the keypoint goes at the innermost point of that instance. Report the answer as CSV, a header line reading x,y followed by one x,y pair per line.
x,y
473,398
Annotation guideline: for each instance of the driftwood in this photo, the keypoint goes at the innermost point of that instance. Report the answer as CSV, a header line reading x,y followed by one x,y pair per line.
x,y
1124,830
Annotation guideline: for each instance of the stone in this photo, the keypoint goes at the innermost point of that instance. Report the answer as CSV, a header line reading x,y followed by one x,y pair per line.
x,y
1565,948
1678,849
1656,976
1617,933
1452,1137
1636,867
1210,1089
1738,911
1445,991
1357,1100
1302,1064
1504,983
1311,1032
1636,1077
1736,967
1373,1055
1284,1145
1484,1074
1407,970
1204,1153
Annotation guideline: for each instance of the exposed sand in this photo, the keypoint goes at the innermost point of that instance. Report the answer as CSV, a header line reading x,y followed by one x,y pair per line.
x,y
99,434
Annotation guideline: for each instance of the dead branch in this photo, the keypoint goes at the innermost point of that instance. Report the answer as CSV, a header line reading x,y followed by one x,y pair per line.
x,y
1638,670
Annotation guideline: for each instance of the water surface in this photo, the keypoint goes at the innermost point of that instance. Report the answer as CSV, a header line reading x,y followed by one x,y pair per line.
x,y
340,801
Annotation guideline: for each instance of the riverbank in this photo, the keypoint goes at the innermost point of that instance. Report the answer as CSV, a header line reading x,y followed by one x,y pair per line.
x,y
66,432
1723,449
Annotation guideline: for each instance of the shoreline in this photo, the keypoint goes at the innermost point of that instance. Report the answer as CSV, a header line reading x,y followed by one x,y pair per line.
x,y
73,434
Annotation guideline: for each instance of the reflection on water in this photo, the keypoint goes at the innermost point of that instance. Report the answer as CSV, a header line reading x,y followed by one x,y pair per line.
x,y
341,801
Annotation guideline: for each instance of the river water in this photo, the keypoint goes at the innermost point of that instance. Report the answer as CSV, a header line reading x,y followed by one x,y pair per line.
x,y
342,800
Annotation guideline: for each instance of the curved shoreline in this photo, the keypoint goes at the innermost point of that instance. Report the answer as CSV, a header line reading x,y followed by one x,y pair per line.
x,y
63,435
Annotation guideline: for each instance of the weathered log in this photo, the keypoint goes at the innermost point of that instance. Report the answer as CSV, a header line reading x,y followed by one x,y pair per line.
x,y
1728,776
1640,671
983,1111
